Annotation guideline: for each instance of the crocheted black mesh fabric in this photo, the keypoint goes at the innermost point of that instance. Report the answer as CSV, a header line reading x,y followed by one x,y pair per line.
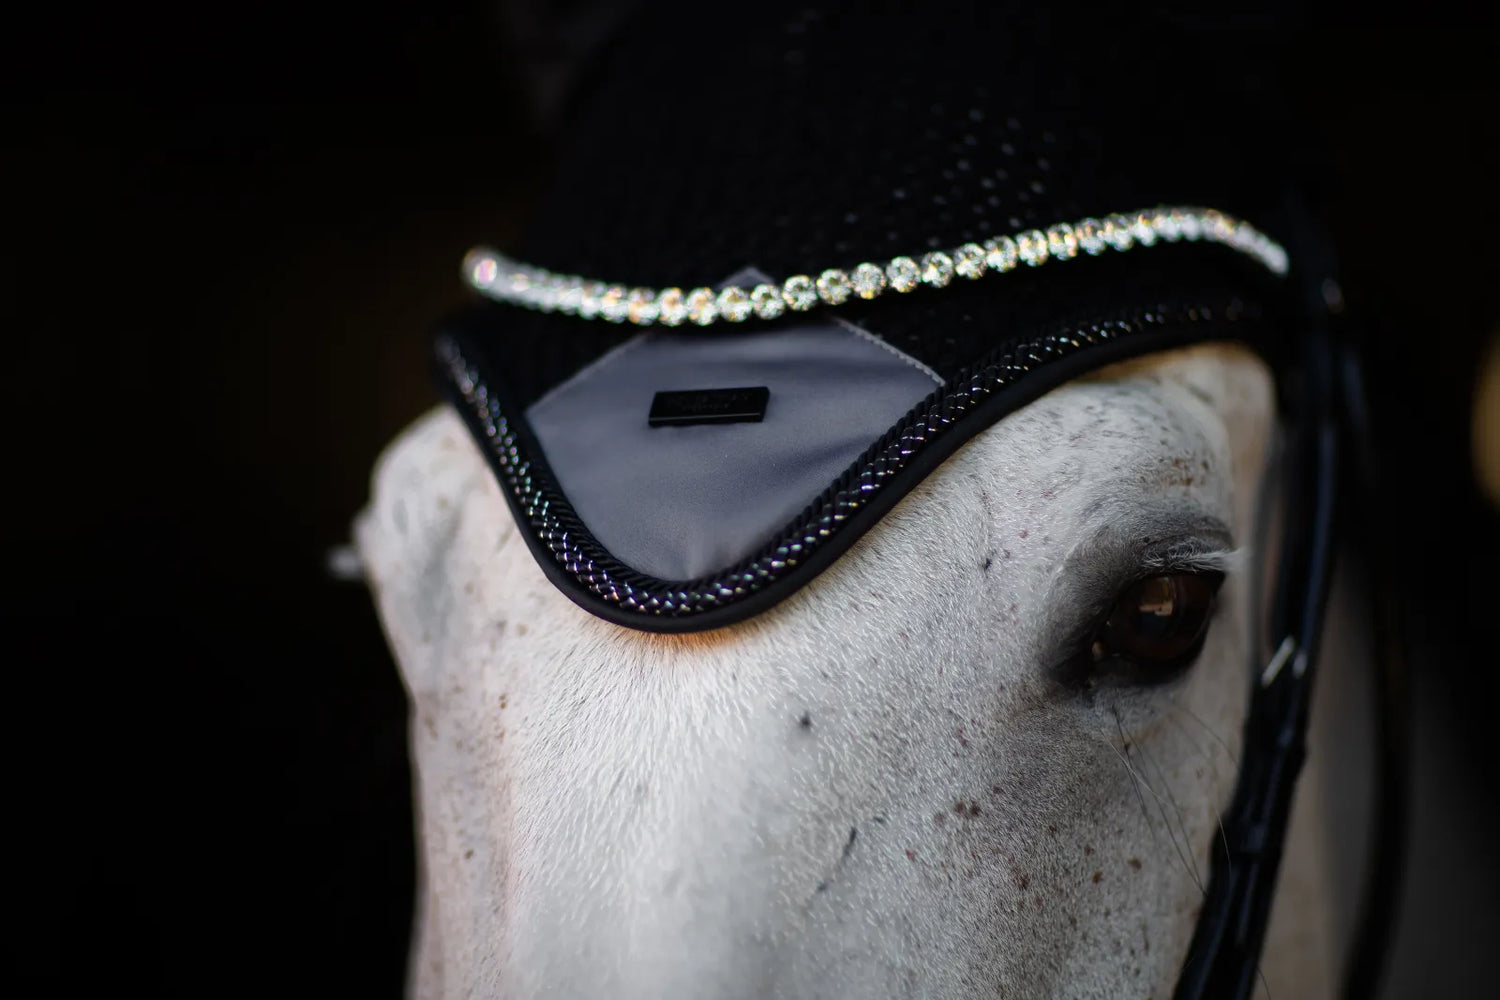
x,y
802,139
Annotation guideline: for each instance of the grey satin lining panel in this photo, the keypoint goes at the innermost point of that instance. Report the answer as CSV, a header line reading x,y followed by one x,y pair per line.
x,y
678,503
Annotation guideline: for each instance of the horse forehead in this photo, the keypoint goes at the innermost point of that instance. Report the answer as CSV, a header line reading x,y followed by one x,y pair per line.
x,y
1139,418
1184,393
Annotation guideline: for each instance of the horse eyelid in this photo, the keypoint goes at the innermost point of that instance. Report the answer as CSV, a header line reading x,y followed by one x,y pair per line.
x,y
1222,561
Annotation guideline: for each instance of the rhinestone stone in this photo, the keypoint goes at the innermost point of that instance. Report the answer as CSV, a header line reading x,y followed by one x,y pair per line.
x,y
766,301
1216,226
640,306
903,273
1090,233
937,269
542,295
588,299
1001,254
734,304
702,306
968,260
670,308
572,294
1032,246
1142,230
799,293
833,287
612,304
1275,257
1117,232
1062,242
1242,236
1191,225
868,280
520,281
483,270
1166,225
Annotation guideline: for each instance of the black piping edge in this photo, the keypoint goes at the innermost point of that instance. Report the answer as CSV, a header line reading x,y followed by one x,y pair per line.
x,y
928,434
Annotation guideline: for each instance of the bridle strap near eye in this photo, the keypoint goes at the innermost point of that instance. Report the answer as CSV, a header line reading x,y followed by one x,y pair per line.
x,y
1332,438
1224,959
1385,864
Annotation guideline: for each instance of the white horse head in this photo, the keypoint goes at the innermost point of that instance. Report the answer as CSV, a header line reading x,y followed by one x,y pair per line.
x,y
928,773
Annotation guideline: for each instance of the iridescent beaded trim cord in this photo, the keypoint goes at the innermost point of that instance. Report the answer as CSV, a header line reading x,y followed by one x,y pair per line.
x,y
511,281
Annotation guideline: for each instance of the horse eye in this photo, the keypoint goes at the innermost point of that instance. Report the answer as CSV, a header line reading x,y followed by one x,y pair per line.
x,y
1156,627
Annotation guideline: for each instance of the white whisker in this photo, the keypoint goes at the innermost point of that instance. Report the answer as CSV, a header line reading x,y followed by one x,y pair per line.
x,y
1207,729
1181,820
1218,813
1160,805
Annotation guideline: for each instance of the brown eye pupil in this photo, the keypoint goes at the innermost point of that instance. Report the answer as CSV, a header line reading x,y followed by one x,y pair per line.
x,y
1158,624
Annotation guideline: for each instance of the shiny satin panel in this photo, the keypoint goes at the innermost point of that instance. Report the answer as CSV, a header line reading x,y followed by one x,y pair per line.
x,y
716,492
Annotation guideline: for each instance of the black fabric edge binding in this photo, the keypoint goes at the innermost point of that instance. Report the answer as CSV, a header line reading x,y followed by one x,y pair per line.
x,y
928,434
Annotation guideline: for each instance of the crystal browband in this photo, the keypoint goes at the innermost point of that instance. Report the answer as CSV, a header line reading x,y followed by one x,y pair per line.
x,y
510,281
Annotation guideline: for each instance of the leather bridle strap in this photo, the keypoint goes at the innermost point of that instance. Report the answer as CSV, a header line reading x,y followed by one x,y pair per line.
x,y
1391,663
1224,959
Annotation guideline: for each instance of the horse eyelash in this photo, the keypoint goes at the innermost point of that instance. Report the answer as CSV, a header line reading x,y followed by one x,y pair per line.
x,y
1185,558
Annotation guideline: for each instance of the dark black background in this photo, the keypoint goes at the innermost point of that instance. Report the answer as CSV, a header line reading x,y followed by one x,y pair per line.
x,y
228,231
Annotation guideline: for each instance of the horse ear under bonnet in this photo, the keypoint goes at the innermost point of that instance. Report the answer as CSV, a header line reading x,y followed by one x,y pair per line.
x,y
786,270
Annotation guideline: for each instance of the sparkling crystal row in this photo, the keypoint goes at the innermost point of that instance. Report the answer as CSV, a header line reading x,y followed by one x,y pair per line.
x,y
510,281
